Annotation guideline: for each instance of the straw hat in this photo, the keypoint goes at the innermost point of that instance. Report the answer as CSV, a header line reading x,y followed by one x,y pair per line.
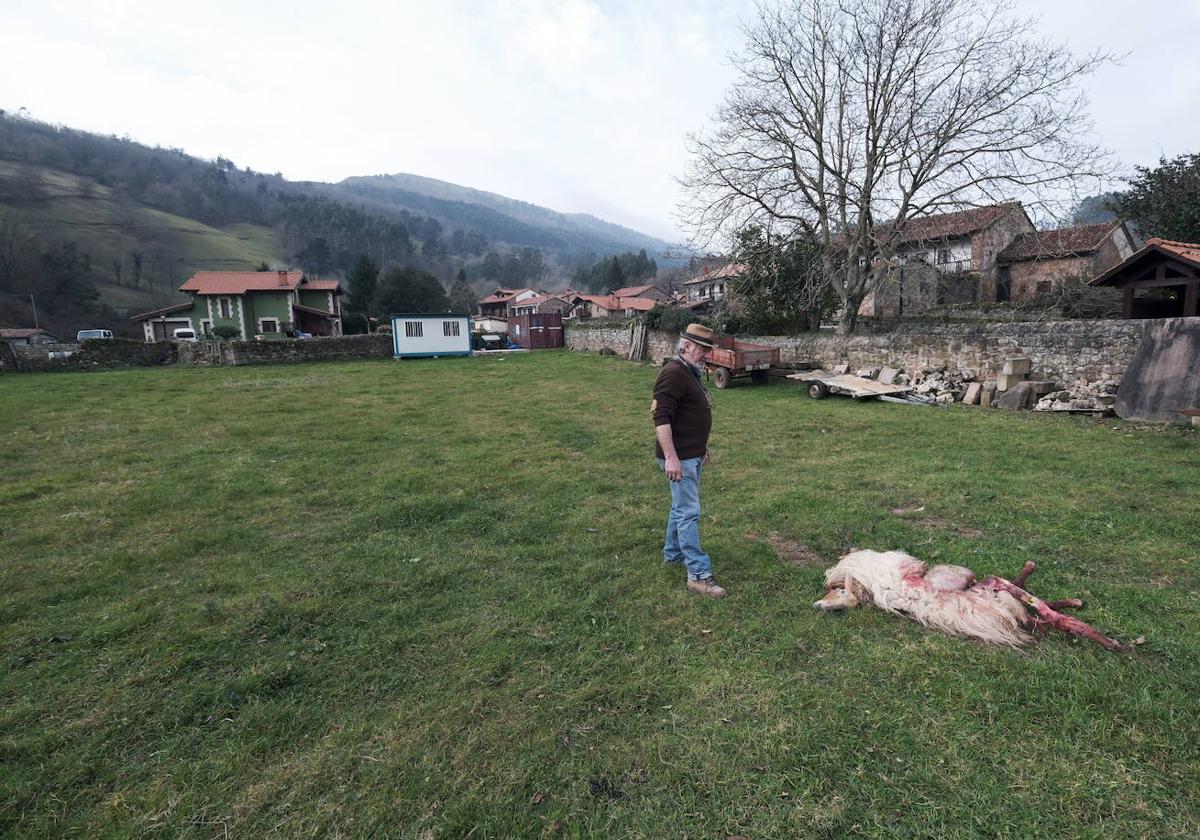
x,y
699,334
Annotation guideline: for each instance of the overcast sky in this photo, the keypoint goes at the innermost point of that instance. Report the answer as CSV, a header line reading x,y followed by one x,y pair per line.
x,y
578,105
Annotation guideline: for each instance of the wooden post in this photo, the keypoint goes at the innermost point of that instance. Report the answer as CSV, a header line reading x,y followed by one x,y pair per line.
x,y
1189,300
1127,308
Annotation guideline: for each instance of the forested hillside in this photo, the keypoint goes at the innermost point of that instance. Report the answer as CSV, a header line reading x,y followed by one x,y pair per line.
x,y
96,228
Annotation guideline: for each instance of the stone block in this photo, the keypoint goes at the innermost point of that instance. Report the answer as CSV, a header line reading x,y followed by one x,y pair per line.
x,y
971,397
844,367
1007,381
1020,365
888,375
1041,387
1016,398
868,372
986,394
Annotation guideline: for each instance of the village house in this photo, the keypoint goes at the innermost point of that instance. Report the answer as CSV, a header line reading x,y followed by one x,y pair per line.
x,y
496,304
648,290
252,302
611,306
711,285
1043,261
539,305
947,258
27,336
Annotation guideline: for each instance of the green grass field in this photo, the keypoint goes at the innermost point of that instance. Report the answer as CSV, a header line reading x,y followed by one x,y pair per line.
x,y
425,599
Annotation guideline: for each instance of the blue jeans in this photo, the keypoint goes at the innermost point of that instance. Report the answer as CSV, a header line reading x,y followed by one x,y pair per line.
x,y
683,523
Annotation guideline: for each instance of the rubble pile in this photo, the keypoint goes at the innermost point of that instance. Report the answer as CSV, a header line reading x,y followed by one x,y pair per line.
x,y
943,385
1097,396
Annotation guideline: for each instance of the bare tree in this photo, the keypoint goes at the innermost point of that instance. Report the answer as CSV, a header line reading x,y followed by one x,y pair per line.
x,y
850,117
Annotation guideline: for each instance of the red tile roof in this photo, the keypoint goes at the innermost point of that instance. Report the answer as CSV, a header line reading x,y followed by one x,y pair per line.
x,y
503,295
537,300
633,291
727,270
950,225
1188,252
239,282
1056,244
322,285
21,333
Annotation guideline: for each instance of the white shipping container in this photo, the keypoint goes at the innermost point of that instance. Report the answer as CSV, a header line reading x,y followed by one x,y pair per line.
x,y
431,335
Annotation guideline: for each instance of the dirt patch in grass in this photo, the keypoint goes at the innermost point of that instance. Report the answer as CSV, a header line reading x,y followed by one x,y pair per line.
x,y
932,523
792,552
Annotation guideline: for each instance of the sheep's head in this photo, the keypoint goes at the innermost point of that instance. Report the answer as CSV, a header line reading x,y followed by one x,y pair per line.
x,y
838,598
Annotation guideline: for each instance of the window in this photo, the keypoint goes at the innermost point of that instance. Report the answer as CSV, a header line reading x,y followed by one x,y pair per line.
x,y
449,328
206,327
413,329
269,325
943,256
226,309
1044,287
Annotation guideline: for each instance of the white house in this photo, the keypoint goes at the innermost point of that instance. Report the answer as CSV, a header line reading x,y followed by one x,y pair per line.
x,y
431,335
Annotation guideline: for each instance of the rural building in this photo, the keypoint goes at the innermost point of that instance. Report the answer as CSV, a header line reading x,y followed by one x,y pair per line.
x,y
649,291
1162,280
536,331
496,304
711,284
252,302
1043,261
610,306
539,305
26,337
947,258
415,335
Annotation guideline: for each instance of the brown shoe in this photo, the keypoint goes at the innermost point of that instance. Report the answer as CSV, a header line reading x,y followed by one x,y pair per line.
x,y
707,587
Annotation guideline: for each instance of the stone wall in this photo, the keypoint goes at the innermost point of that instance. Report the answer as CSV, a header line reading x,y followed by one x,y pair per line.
x,y
1062,351
90,355
291,350
94,355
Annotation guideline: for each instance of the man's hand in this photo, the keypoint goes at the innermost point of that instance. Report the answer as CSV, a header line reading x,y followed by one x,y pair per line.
x,y
707,457
674,469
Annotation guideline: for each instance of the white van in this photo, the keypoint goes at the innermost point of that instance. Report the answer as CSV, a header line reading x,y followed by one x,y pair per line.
x,y
183,334
84,335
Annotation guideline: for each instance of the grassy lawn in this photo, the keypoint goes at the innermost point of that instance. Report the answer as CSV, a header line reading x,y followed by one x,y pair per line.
x,y
425,600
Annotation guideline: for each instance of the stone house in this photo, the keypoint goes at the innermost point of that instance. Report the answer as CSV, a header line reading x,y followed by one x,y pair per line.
x,y
252,302
649,290
1043,261
711,284
539,305
26,337
946,258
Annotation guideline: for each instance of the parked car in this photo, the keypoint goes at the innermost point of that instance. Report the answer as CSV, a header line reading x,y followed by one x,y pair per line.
x,y
84,335
183,334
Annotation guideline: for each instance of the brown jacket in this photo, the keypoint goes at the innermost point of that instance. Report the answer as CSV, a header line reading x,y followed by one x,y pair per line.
x,y
681,402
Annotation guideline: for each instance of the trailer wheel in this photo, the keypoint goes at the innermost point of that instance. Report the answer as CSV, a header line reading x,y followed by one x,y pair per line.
x,y
818,390
760,377
721,378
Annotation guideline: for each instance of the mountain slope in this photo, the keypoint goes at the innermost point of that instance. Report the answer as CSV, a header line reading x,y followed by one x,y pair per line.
x,y
497,216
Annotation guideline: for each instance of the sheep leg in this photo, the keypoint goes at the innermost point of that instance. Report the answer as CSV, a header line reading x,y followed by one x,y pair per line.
x,y
1048,615
1065,604
1024,574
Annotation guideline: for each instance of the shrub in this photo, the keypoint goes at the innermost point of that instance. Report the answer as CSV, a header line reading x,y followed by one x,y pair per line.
x,y
226,332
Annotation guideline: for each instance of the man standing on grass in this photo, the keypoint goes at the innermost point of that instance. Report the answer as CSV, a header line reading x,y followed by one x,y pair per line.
x,y
682,411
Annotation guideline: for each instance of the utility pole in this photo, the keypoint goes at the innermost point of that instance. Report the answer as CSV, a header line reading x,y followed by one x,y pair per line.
x,y
33,305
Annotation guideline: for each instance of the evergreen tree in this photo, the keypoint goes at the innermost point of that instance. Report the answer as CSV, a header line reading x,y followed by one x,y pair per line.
x,y
1165,201
462,296
410,290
